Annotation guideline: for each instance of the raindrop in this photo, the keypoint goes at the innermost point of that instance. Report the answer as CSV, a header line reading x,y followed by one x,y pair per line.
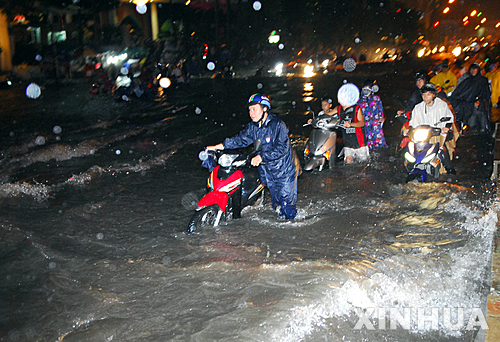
x,y
198,111
221,124
349,64
285,85
257,5
485,164
281,46
118,152
381,4
40,140
357,40
210,65
58,138
344,81
52,265
33,91
99,236
259,86
294,103
234,115
12,134
124,70
38,58
143,173
141,9
57,129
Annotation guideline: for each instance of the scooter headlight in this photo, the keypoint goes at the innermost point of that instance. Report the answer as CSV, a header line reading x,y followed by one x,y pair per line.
x,y
420,135
410,158
227,159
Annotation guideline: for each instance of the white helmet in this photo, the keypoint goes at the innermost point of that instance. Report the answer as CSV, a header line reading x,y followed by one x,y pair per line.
x,y
348,95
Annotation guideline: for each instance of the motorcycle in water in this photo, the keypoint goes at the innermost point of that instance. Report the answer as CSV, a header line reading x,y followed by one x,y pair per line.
x,y
233,185
423,158
321,147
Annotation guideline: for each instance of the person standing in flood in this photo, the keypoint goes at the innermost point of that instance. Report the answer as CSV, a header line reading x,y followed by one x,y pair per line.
x,y
355,148
276,161
373,113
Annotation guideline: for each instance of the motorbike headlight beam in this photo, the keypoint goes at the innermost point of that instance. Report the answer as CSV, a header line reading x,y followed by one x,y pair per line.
x,y
227,159
420,135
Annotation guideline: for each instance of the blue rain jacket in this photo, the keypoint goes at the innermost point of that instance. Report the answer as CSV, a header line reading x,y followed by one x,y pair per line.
x,y
276,148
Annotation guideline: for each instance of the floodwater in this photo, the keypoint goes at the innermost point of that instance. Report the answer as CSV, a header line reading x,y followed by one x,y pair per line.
x,y
96,194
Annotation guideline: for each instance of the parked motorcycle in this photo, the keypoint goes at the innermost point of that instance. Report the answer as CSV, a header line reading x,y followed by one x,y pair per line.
x,y
321,147
423,158
233,185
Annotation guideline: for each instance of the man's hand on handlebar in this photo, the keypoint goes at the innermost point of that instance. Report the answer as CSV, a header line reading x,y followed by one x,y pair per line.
x,y
214,147
445,130
256,160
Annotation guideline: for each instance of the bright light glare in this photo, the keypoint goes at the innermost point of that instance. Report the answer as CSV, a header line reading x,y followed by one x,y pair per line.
x,y
457,51
165,82
441,49
483,20
420,134
434,50
421,53
377,51
446,10
473,13
325,63
279,69
497,25
309,71
274,38
451,1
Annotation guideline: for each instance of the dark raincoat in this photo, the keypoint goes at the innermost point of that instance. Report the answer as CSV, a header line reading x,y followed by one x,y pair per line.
x,y
468,91
279,173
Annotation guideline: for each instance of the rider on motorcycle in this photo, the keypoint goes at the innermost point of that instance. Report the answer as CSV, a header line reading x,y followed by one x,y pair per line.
x,y
326,106
276,161
429,112
473,95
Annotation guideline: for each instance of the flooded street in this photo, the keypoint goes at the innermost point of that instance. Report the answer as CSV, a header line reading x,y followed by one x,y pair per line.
x,y
96,196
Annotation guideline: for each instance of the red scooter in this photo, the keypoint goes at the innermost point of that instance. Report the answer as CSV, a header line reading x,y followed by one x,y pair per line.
x,y
232,185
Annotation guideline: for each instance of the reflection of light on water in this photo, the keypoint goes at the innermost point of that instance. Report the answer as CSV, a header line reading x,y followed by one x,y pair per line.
x,y
308,86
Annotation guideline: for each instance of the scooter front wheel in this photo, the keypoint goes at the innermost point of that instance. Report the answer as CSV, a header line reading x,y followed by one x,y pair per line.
x,y
205,217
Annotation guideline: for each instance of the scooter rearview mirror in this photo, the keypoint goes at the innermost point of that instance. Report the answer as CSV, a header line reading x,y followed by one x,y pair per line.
x,y
257,145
